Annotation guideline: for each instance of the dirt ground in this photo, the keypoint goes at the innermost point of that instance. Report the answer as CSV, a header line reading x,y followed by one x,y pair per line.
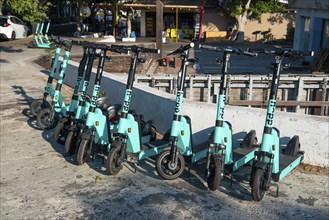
x,y
38,182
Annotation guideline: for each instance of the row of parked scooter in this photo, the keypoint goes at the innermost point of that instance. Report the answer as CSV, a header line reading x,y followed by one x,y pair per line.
x,y
41,39
92,126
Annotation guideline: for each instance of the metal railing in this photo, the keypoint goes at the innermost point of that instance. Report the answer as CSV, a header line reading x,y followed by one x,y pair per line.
x,y
306,91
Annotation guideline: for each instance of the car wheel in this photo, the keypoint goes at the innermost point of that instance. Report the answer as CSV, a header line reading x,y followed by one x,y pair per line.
x,y
13,35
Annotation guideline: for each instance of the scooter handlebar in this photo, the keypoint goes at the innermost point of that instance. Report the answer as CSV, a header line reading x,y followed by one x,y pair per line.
x,y
282,52
229,50
182,49
133,48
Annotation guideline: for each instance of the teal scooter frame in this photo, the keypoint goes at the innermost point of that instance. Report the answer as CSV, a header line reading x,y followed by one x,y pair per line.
x,y
37,39
269,163
37,105
133,140
95,133
61,130
48,118
221,156
170,163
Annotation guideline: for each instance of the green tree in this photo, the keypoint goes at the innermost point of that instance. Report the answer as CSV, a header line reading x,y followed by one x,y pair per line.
x,y
29,10
244,10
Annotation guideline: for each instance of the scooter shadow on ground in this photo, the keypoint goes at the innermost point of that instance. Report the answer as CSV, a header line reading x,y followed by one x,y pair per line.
x,y
48,135
25,101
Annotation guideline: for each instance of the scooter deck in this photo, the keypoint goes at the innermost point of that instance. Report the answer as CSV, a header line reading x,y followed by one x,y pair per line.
x,y
286,164
199,152
153,148
241,156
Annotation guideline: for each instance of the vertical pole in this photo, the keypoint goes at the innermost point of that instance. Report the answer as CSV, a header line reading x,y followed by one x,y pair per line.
x,y
284,98
191,89
250,89
299,92
324,95
176,24
201,16
159,26
209,89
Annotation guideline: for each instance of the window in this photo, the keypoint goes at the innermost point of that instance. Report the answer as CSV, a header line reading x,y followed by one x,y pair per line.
x,y
325,34
305,34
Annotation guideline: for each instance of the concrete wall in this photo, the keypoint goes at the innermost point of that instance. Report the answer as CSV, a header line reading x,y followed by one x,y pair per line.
x,y
158,105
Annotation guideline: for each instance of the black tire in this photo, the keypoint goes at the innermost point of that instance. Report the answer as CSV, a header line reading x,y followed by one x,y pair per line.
x,y
13,35
69,145
43,121
162,169
215,175
257,186
249,140
60,133
113,164
83,153
35,107
32,44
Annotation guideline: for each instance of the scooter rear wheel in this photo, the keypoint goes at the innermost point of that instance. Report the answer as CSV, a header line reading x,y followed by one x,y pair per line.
x,y
43,121
258,185
60,133
69,145
162,166
214,177
83,152
113,161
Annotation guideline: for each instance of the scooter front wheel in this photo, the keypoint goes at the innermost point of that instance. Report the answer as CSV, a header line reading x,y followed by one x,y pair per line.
x,y
69,145
83,152
162,166
60,133
215,173
114,165
258,185
35,107
43,120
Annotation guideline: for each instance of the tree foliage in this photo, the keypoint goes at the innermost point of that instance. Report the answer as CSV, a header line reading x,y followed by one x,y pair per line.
x,y
252,9
29,10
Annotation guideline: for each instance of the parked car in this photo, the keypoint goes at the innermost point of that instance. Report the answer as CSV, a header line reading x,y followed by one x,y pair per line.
x,y
12,27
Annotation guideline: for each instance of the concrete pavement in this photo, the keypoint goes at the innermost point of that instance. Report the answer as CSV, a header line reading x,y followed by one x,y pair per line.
x,y
38,182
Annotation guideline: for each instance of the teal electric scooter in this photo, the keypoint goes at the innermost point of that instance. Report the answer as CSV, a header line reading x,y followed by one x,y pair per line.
x,y
93,135
89,53
37,39
37,105
270,163
221,156
170,163
134,139
48,118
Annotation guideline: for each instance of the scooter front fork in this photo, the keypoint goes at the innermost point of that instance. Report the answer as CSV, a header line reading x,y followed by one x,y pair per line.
x,y
217,156
173,154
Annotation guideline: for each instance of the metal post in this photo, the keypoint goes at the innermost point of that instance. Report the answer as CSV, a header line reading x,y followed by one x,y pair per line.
x,y
250,89
299,92
209,89
191,89
324,94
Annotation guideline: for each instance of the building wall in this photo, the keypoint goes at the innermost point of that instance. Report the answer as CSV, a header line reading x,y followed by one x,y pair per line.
x,y
277,22
314,33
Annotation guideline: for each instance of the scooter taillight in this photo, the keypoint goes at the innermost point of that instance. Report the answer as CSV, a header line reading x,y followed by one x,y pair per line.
x,y
6,25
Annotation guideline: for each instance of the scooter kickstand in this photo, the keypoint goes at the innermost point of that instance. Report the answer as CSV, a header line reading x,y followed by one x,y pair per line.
x,y
189,172
231,183
276,195
135,166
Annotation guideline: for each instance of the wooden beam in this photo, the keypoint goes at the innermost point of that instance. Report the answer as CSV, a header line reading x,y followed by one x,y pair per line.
x,y
280,103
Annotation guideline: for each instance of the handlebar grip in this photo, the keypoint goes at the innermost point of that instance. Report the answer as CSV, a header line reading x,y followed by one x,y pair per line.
x,y
247,53
149,50
188,46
